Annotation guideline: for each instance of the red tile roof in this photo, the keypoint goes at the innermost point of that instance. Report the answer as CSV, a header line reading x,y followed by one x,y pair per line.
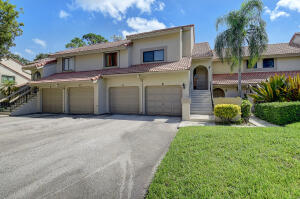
x,y
101,46
202,50
40,63
273,50
248,78
183,64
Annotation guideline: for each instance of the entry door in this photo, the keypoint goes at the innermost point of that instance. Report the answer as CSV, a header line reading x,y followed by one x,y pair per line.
x,y
164,100
200,78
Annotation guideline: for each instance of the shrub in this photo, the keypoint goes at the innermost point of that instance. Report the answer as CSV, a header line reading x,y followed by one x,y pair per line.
x,y
280,113
226,112
277,89
246,109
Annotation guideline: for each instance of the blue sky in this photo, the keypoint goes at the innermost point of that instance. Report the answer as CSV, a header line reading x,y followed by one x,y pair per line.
x,y
50,24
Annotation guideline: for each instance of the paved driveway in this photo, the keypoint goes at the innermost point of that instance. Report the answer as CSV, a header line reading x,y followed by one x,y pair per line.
x,y
58,156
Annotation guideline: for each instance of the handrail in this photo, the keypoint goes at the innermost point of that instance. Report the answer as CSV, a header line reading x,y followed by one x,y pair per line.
x,y
211,95
19,96
15,93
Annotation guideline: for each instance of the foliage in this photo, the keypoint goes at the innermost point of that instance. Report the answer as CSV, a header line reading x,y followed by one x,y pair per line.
x,y
226,112
75,43
10,28
280,113
243,27
246,110
117,38
8,87
22,60
41,56
277,89
230,162
87,39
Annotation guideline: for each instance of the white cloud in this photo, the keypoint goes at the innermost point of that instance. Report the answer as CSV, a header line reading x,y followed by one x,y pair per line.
x,y
160,6
293,5
29,51
274,14
289,4
63,14
142,25
17,53
40,42
115,8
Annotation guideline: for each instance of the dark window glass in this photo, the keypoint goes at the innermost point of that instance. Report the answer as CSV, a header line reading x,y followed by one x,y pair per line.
x,y
248,65
153,56
111,59
268,63
148,56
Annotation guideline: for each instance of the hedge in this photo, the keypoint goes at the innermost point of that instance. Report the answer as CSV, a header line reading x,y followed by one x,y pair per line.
x,y
246,109
280,113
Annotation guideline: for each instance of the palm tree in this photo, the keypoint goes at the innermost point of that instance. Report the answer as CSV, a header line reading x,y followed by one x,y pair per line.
x,y
8,87
243,27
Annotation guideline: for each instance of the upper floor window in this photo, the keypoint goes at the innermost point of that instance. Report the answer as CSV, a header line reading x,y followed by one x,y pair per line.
x,y
154,56
268,63
68,64
111,59
5,78
37,76
248,65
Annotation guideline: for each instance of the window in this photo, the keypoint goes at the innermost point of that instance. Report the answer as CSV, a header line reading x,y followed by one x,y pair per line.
x,y
5,78
111,59
68,64
153,56
268,63
248,65
37,76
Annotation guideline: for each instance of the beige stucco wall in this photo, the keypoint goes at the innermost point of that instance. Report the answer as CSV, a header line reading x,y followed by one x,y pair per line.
x,y
88,62
19,79
16,66
287,64
228,100
187,43
171,41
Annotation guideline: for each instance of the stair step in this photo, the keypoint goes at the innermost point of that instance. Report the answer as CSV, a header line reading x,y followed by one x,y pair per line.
x,y
201,112
202,118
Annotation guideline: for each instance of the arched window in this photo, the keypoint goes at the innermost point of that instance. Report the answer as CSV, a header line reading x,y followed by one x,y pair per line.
x,y
37,76
218,92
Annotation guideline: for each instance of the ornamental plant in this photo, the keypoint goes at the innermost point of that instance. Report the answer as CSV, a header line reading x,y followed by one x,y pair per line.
x,y
227,112
277,89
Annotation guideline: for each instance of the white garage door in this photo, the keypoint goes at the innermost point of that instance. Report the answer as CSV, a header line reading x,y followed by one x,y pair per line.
x,y
163,100
81,100
52,100
124,100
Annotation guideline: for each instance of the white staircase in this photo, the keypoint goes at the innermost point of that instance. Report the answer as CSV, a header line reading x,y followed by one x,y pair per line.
x,y
201,103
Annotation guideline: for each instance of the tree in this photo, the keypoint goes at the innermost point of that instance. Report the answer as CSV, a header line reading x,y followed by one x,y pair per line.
x,y
41,56
75,43
22,60
243,27
92,38
10,28
87,39
8,87
117,38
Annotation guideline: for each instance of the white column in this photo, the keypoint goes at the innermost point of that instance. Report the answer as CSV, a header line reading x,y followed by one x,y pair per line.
x,y
96,98
66,100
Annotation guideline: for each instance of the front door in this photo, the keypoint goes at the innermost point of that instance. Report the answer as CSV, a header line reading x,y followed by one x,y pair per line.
x,y
200,78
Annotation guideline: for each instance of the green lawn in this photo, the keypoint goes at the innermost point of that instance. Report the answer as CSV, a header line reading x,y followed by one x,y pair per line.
x,y
230,162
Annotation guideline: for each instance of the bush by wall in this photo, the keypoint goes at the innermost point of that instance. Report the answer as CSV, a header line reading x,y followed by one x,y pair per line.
x,y
227,112
246,109
279,113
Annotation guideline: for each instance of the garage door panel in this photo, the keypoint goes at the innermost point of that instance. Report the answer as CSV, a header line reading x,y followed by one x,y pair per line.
x,y
81,100
163,100
52,100
124,100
